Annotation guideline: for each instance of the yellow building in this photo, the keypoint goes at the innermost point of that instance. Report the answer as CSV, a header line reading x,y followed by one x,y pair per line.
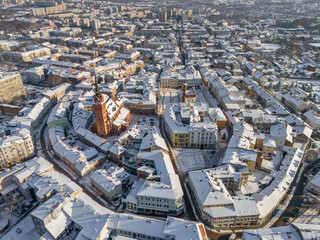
x,y
169,83
182,134
269,146
180,139
11,87
87,106
58,92
188,95
27,56
178,136
15,148
4,46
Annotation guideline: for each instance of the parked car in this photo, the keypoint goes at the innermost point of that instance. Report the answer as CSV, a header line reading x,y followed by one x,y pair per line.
x,y
290,219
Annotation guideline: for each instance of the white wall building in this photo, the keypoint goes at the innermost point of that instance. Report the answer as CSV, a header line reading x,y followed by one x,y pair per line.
x,y
109,183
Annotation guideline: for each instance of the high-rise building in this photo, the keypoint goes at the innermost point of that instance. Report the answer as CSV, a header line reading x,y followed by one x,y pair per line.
x,y
86,22
115,10
120,8
96,24
11,87
163,16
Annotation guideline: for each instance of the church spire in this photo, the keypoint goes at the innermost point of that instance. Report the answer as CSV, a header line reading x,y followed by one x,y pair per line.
x,y
97,86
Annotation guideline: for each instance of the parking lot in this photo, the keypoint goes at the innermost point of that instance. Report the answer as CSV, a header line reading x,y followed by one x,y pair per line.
x,y
193,159
304,207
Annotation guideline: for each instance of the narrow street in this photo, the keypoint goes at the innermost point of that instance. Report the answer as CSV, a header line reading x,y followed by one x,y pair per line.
x,y
58,168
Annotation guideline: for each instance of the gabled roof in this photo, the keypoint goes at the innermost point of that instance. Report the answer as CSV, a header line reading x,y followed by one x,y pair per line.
x,y
153,140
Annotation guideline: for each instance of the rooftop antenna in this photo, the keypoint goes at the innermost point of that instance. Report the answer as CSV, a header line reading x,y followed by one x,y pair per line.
x,y
97,86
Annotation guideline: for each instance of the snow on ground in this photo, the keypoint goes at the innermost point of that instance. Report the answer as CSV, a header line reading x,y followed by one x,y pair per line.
x,y
189,160
135,118
174,97
315,220
24,230
148,121
166,98
170,96
3,224
40,154
9,216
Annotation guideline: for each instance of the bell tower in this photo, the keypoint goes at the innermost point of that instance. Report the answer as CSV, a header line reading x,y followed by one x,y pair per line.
x,y
100,112
184,90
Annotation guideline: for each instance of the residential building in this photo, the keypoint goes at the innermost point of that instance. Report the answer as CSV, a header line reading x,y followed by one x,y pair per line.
x,y
15,146
11,87
314,185
140,93
184,127
312,119
188,95
216,206
161,197
176,78
27,56
292,231
109,182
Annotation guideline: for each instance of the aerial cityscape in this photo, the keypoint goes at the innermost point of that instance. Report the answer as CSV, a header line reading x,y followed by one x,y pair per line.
x,y
160,120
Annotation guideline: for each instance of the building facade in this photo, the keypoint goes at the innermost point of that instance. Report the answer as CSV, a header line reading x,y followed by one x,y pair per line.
x,y
15,148
111,116
11,87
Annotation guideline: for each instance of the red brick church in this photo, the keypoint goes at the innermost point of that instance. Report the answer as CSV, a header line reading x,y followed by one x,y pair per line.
x,y
112,117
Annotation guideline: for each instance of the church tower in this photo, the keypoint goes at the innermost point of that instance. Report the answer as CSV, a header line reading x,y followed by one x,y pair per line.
x,y
103,125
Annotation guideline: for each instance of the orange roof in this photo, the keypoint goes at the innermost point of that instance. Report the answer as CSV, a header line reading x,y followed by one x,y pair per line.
x,y
203,232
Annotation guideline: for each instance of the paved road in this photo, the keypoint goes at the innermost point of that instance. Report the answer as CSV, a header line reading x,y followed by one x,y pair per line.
x,y
217,156
298,194
58,168
188,208
307,216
